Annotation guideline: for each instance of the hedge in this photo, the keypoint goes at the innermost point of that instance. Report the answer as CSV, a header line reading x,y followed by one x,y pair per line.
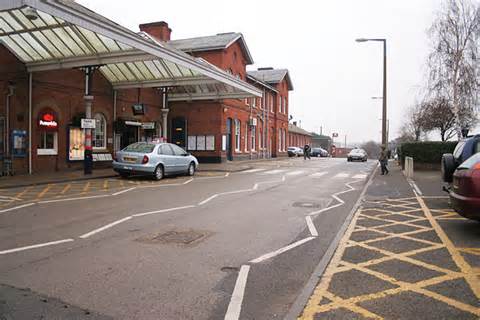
x,y
426,152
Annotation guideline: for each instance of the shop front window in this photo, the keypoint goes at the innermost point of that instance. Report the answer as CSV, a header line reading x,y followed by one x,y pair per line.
x,y
99,136
47,143
253,138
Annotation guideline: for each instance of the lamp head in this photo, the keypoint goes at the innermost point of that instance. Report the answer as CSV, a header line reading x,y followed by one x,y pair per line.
x,y
361,40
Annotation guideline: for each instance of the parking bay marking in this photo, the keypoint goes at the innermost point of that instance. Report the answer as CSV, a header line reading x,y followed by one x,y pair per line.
x,y
342,175
318,174
40,245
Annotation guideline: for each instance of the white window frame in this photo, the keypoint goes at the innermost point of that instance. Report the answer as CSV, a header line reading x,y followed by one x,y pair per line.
x,y
104,120
246,137
254,102
285,105
253,137
49,152
237,135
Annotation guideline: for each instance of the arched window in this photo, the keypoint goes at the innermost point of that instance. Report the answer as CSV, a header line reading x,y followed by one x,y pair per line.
x,y
99,134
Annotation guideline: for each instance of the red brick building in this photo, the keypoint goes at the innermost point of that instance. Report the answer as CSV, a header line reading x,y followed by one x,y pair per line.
x,y
53,73
298,137
193,92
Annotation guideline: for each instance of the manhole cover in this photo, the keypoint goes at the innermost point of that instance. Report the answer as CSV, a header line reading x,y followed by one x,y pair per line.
x,y
180,237
306,204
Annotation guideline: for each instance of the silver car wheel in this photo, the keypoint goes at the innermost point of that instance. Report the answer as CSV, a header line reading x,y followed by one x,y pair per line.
x,y
158,173
191,169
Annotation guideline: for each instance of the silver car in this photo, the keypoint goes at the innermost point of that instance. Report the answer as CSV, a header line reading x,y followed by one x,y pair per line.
x,y
156,159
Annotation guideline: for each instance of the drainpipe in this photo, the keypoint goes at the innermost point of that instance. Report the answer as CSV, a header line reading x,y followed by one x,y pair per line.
x,y
11,91
30,94
114,121
251,119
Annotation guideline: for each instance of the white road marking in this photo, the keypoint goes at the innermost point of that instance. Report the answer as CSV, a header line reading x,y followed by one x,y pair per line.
x,y
17,207
207,200
281,250
318,174
91,233
73,199
275,171
415,187
311,226
294,173
253,170
235,305
227,174
359,176
342,175
36,246
9,198
188,181
162,211
123,191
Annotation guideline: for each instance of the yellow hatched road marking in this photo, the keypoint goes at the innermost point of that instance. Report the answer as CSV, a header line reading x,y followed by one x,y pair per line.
x,y
105,184
20,194
470,277
44,191
337,265
66,188
87,186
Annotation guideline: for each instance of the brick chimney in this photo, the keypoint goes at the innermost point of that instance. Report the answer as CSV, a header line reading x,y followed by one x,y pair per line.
x,y
158,30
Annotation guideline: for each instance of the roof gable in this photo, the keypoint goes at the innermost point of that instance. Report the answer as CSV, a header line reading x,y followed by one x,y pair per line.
x,y
272,76
216,42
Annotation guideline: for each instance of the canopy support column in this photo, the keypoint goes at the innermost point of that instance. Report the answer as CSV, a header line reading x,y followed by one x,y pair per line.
x,y
88,98
30,107
165,113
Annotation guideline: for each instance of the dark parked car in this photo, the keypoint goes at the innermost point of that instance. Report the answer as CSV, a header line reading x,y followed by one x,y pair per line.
x,y
465,190
319,152
357,155
464,150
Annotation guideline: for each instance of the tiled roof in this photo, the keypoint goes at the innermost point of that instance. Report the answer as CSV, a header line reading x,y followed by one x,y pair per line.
x,y
272,76
295,129
215,42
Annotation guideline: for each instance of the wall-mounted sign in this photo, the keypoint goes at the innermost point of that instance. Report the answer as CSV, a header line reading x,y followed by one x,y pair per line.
x,y
138,109
335,135
19,143
48,120
88,123
148,125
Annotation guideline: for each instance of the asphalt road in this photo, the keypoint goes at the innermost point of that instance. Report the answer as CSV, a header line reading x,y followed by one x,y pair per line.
x,y
242,245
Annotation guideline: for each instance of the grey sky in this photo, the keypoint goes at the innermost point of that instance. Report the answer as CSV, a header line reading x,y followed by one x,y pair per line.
x,y
334,77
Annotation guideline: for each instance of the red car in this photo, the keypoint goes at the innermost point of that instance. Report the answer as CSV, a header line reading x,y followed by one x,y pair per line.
x,y
465,190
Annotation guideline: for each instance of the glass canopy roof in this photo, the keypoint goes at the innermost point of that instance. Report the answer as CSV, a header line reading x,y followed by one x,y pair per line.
x,y
60,34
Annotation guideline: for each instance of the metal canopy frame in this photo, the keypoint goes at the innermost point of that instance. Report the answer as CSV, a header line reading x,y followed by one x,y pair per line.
x,y
67,35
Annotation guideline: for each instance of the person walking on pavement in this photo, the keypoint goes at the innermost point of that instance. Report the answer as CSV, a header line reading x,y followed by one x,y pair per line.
x,y
306,152
384,160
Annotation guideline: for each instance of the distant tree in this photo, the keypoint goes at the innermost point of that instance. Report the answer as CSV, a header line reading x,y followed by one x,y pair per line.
x,y
372,148
453,62
437,114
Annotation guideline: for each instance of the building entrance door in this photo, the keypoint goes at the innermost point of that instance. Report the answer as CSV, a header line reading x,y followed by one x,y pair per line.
x,y
179,132
229,140
129,136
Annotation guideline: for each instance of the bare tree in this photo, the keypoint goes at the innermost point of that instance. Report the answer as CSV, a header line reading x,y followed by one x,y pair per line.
x,y
412,128
437,114
453,62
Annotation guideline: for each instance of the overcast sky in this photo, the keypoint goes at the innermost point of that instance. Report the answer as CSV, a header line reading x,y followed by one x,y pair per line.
x,y
334,77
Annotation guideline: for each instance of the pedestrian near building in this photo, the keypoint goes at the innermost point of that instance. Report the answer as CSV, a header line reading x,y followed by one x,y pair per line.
x,y
384,160
306,152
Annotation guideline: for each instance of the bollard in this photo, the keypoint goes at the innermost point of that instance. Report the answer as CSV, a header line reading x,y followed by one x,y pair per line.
x,y
408,167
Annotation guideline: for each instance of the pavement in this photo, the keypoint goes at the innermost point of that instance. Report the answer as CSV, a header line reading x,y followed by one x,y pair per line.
x,y
405,255
235,245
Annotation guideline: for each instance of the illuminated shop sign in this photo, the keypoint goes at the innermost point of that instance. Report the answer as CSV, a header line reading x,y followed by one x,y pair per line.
x,y
47,120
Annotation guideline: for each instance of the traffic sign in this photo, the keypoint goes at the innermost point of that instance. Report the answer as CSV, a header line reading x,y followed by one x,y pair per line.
x,y
334,135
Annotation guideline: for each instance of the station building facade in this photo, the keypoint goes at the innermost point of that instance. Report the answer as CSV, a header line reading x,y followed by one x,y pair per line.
x,y
234,115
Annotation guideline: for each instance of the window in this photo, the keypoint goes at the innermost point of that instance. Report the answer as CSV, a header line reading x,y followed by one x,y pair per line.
x,y
177,150
165,149
254,102
99,134
279,139
285,105
284,138
237,135
246,137
253,138
140,147
47,143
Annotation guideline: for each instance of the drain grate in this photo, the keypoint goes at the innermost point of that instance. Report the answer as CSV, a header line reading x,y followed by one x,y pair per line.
x,y
306,204
179,237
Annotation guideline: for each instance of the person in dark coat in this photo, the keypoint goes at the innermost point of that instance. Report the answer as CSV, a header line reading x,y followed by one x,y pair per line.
x,y
306,152
384,160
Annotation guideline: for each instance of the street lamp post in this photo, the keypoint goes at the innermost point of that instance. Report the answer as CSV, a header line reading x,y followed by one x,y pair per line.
x,y
384,109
